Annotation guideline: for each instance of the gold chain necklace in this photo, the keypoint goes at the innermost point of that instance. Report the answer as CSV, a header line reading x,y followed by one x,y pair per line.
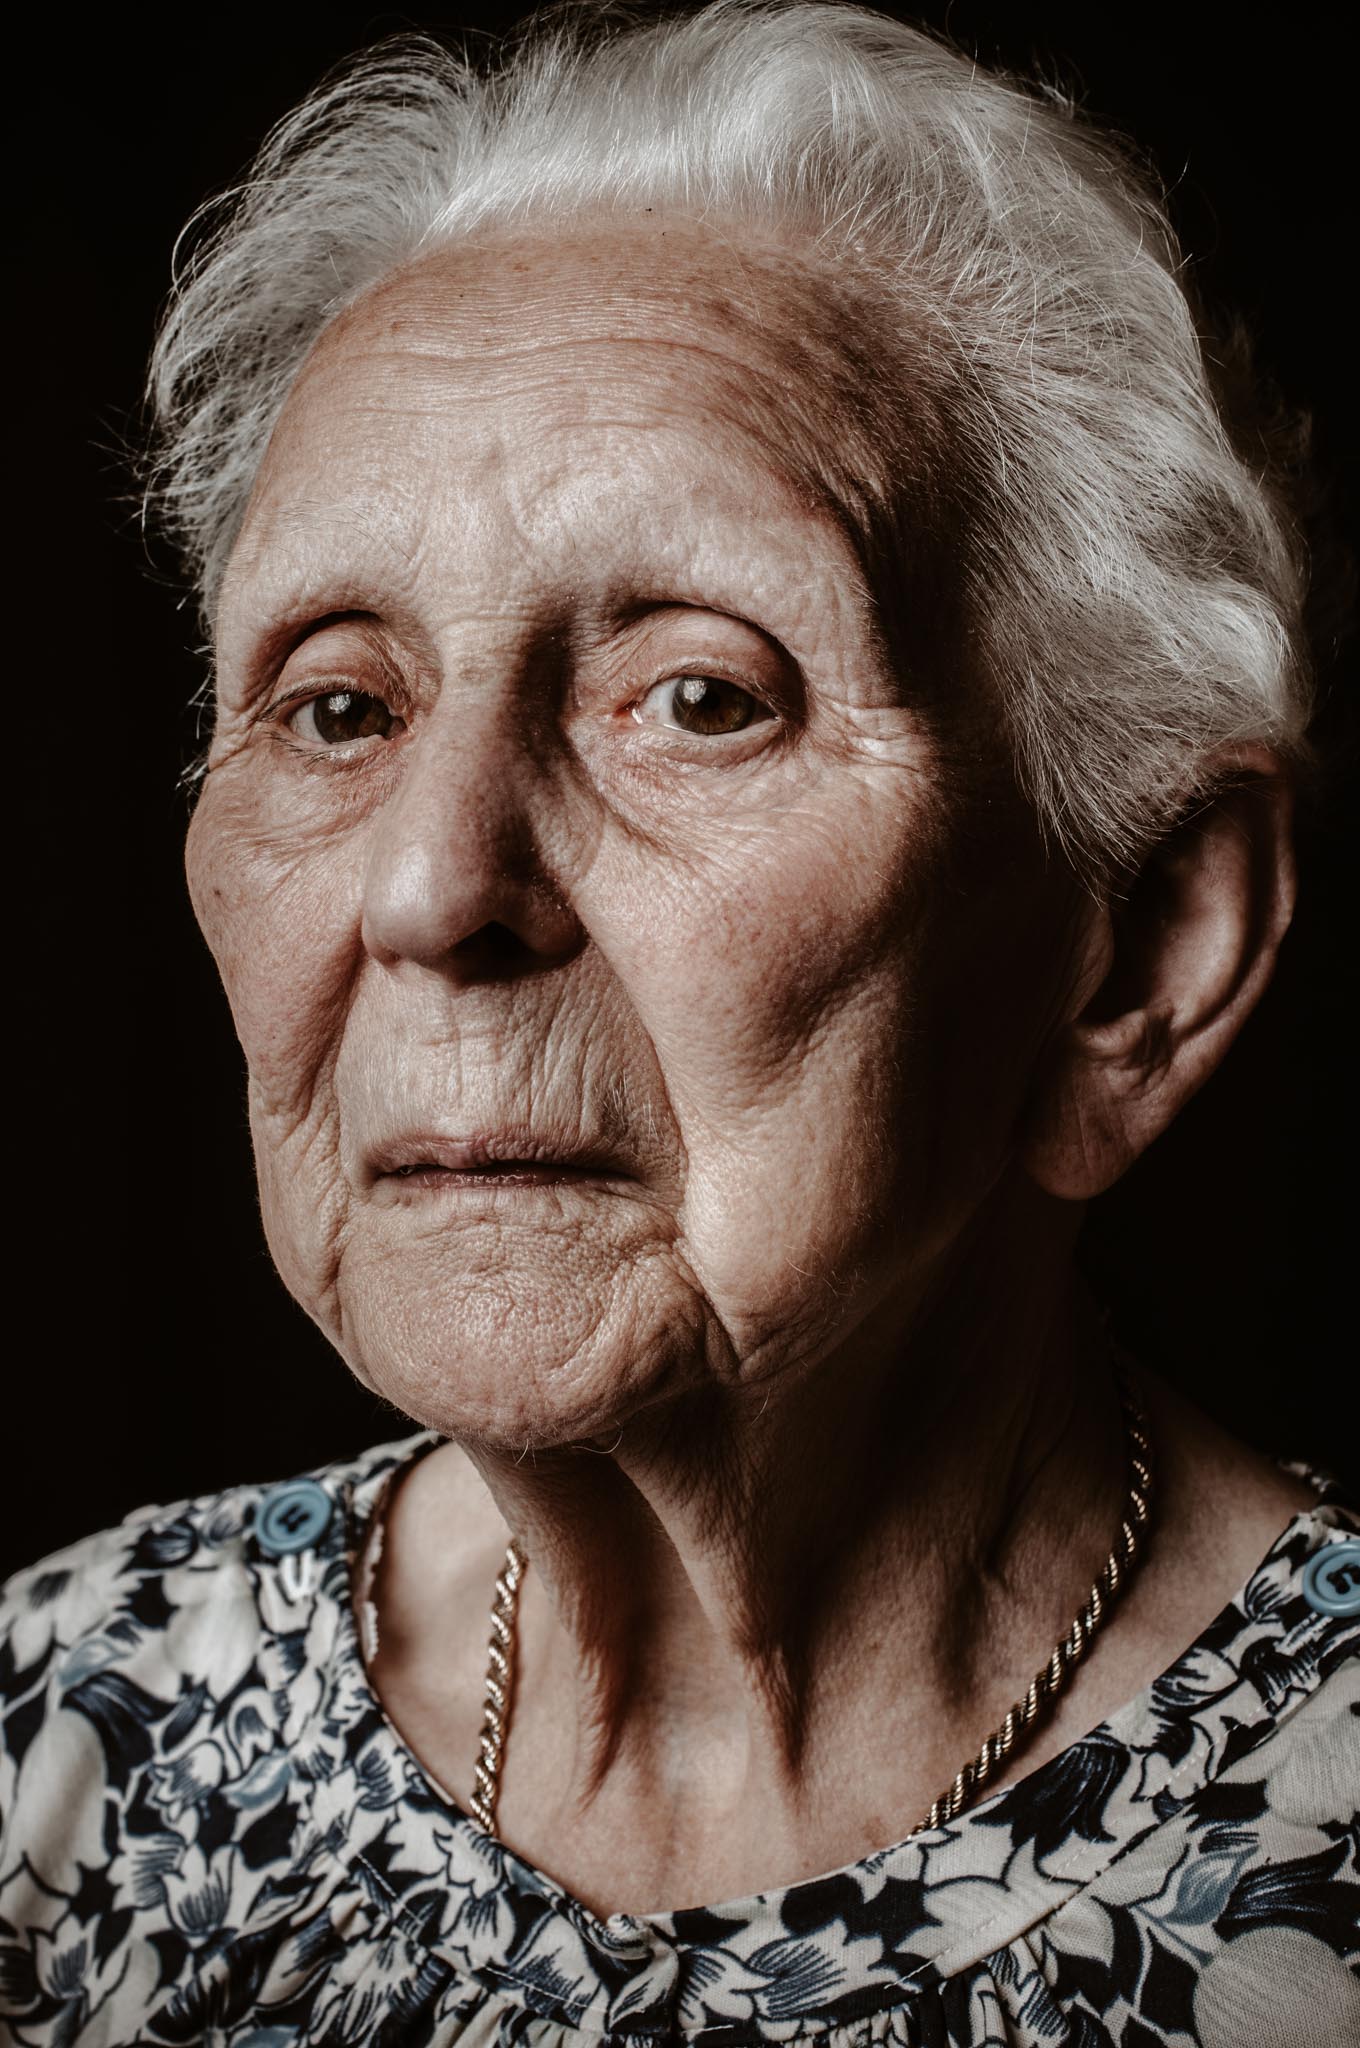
x,y
1019,1723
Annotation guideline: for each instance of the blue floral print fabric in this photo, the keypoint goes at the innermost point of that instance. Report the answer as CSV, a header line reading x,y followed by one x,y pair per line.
x,y
213,1835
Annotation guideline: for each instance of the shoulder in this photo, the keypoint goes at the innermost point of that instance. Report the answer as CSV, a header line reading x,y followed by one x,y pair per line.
x,y
152,1682
1221,1906
1208,1827
125,1639
124,1587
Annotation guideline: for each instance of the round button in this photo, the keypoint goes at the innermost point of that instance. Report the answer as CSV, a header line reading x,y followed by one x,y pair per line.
x,y
292,1516
1331,1583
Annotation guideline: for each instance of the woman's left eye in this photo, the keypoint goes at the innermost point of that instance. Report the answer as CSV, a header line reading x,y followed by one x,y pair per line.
x,y
341,716
709,706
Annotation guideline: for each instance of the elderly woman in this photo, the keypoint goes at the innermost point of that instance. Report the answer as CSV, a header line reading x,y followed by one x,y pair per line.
x,y
756,712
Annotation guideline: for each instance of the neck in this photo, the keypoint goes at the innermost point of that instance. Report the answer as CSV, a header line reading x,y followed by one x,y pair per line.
x,y
741,1587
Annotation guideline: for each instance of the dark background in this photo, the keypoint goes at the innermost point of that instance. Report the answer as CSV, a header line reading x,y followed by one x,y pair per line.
x,y
153,1352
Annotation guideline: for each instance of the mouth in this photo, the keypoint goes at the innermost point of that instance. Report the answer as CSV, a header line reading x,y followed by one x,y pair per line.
x,y
423,1162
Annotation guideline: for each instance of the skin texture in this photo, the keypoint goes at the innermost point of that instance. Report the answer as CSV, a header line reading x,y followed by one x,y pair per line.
x,y
774,1062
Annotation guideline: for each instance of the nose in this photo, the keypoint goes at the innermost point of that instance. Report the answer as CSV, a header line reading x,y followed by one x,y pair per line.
x,y
456,878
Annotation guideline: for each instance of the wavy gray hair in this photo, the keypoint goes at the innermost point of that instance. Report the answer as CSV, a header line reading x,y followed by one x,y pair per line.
x,y
1129,585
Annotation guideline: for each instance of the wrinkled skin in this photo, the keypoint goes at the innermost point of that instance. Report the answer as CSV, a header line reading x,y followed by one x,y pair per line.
x,y
746,1066
747,969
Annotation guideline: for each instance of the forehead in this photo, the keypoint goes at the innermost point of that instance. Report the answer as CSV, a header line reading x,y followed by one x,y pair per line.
x,y
639,385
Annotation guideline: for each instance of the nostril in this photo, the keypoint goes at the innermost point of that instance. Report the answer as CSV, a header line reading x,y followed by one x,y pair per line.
x,y
538,931
459,888
499,952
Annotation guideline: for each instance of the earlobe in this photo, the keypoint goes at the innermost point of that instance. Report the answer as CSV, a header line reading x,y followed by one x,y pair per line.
x,y
1180,961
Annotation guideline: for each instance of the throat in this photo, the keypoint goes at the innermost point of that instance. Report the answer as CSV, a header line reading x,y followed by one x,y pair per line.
x,y
767,1660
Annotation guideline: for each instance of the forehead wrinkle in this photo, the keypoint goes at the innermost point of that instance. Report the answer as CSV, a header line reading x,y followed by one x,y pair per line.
x,y
626,268
291,546
761,410
450,360
763,407
785,326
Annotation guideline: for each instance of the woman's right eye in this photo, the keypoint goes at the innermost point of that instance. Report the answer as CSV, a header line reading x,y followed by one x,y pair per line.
x,y
342,716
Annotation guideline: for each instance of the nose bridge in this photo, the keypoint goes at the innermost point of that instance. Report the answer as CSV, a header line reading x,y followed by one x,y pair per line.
x,y
468,774
460,846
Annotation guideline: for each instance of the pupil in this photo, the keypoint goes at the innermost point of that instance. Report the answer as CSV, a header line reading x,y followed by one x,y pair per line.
x,y
350,715
707,704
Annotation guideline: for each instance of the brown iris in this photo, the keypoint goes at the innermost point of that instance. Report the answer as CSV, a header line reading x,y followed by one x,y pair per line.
x,y
709,705
350,715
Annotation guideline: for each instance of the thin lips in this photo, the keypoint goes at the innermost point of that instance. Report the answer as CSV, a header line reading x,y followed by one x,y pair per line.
x,y
485,1151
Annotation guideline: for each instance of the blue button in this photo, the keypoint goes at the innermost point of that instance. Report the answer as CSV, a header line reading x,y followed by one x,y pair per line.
x,y
292,1517
1331,1584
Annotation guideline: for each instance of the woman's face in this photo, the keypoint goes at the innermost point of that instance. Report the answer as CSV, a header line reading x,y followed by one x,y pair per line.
x,y
639,986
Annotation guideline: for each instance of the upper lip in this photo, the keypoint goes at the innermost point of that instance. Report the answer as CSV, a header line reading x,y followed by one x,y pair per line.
x,y
481,1150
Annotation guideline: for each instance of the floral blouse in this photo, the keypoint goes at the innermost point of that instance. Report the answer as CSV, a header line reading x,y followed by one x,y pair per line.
x,y
213,1835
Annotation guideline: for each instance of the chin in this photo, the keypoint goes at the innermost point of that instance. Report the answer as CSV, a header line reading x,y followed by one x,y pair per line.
x,y
513,1346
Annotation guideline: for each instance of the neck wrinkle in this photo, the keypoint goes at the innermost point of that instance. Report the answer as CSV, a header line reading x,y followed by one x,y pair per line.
x,y
763,1566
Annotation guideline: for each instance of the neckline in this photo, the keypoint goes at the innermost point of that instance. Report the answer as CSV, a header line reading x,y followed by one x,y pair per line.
x,y
946,1896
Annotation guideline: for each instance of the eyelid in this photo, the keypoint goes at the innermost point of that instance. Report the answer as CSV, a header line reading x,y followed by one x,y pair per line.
x,y
767,703
352,642
315,687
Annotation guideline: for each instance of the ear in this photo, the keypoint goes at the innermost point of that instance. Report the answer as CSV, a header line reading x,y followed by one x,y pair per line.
x,y
1168,976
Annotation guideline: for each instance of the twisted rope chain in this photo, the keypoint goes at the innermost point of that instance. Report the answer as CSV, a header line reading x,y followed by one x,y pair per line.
x,y
1115,1574
1044,1688
500,1690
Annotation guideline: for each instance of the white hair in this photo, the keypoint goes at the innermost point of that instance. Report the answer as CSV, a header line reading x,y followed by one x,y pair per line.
x,y
1127,584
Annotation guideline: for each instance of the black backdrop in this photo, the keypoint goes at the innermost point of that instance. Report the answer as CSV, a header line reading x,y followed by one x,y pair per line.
x,y
152,1351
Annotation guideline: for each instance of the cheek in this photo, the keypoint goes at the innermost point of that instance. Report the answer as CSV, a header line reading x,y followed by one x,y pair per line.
x,y
778,985
282,922
282,926
846,1031
738,948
